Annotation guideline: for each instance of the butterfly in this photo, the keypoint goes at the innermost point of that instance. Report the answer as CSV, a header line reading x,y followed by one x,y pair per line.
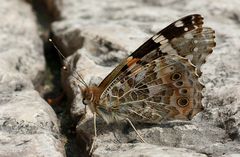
x,y
159,80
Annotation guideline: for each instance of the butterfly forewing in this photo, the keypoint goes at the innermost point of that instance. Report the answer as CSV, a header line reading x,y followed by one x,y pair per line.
x,y
159,80
150,49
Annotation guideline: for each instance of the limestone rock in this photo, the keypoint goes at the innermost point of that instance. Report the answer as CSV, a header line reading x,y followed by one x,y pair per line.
x,y
28,125
135,150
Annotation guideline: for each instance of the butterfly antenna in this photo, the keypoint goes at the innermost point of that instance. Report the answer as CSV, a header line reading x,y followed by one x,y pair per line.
x,y
79,78
59,52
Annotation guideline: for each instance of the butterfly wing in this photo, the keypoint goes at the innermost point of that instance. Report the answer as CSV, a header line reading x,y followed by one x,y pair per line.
x,y
156,81
166,88
150,49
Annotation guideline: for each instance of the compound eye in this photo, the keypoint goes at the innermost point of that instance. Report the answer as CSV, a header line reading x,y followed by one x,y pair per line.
x,y
84,101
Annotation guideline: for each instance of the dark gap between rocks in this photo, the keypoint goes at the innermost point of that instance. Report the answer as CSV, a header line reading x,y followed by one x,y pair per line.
x,y
51,88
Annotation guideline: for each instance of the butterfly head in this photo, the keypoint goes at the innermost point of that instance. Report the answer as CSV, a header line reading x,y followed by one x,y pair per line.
x,y
91,94
90,97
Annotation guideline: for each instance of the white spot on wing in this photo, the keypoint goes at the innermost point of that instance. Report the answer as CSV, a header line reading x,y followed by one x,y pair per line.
x,y
185,29
195,41
164,41
178,24
195,49
159,39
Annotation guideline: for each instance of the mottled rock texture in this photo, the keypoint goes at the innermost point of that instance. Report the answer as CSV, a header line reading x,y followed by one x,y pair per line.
x,y
97,35
28,125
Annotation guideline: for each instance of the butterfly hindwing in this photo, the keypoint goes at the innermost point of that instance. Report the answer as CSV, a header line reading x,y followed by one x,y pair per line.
x,y
166,88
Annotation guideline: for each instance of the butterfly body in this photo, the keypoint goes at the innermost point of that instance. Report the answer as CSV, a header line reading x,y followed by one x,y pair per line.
x,y
158,81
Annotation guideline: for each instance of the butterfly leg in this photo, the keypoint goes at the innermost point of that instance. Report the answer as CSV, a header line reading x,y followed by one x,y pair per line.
x,y
129,121
95,132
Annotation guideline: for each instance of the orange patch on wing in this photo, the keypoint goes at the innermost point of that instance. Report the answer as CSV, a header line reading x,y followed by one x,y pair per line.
x,y
131,61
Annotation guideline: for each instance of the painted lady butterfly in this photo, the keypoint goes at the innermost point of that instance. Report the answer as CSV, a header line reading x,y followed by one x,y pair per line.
x,y
159,80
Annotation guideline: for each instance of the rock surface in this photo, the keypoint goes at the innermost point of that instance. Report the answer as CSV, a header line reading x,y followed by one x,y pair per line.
x,y
146,149
28,125
98,34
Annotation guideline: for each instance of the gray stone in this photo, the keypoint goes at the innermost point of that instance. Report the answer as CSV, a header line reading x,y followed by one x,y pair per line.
x,y
20,46
200,136
97,35
28,125
146,150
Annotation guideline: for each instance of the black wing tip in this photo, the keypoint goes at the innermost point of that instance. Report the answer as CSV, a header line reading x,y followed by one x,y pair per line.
x,y
195,19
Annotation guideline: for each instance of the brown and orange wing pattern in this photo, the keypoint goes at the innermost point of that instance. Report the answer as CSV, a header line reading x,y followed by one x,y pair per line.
x,y
160,79
164,40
